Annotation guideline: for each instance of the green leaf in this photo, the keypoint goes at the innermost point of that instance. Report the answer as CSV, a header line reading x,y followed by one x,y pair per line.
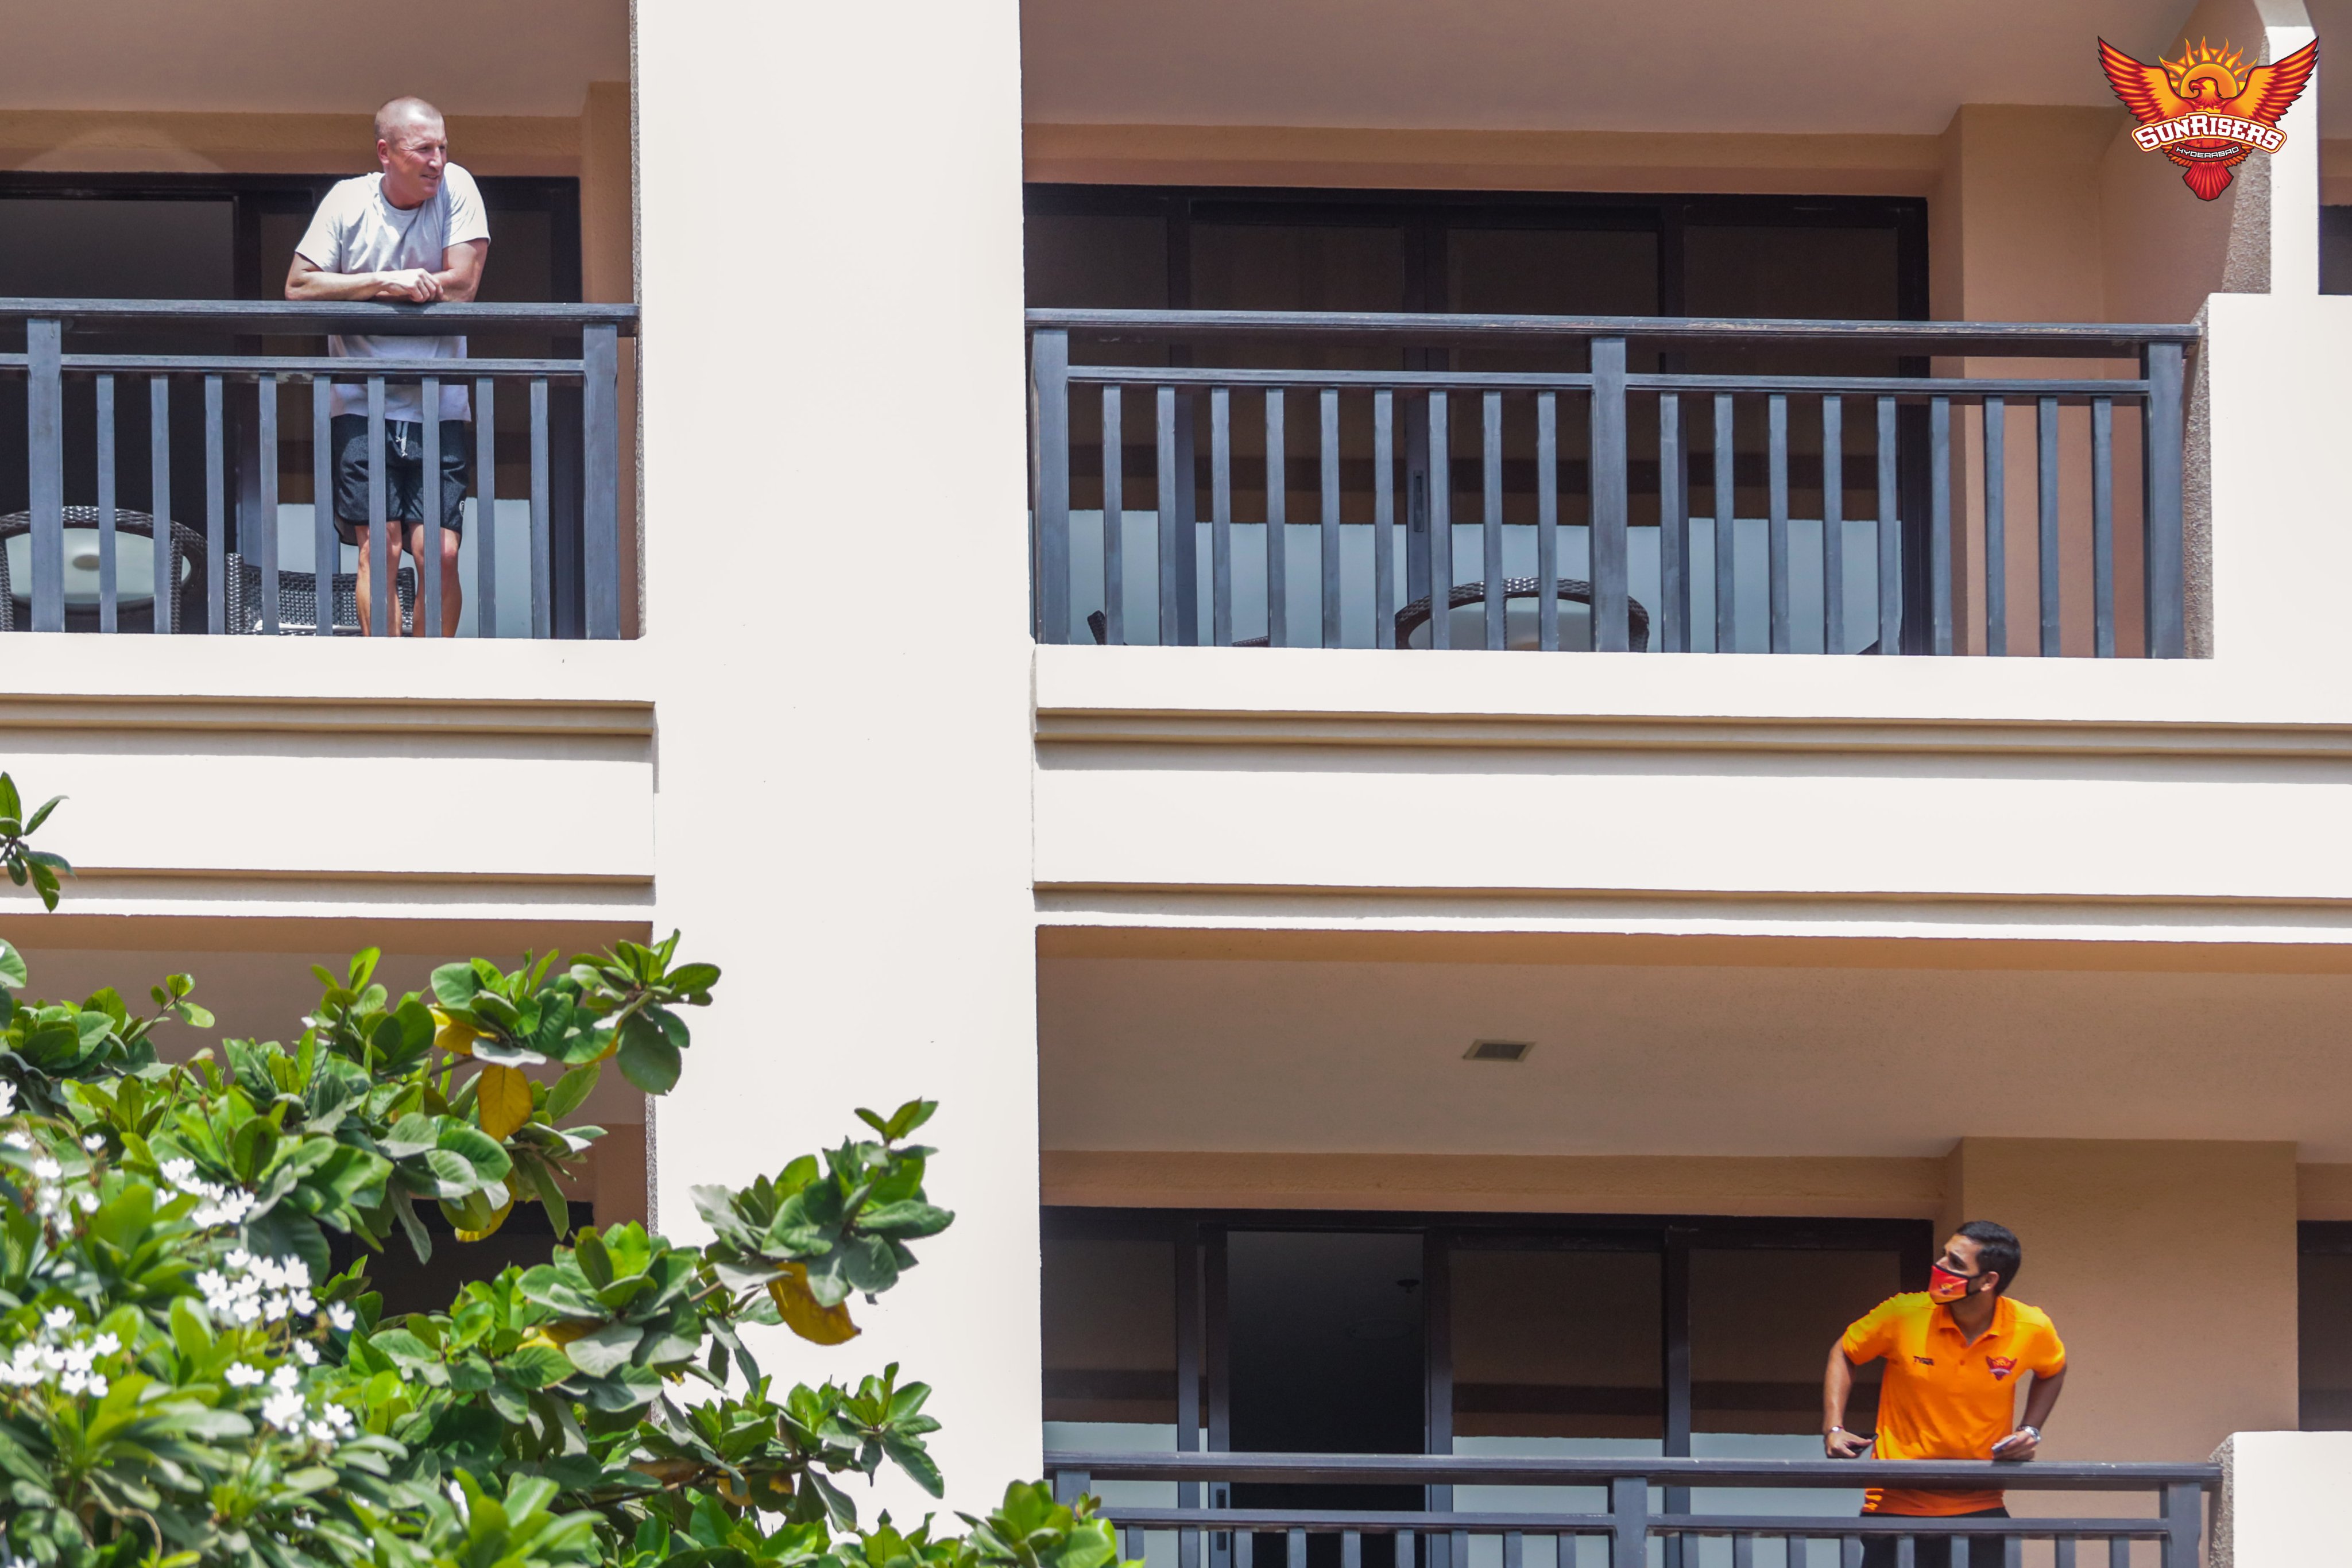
x,y
571,1090
647,1060
606,1350
12,967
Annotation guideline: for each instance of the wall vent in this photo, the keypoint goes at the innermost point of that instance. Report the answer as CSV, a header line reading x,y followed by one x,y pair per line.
x,y
1497,1050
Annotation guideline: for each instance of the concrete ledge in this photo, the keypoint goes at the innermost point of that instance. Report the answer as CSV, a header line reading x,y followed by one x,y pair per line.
x,y
2281,1506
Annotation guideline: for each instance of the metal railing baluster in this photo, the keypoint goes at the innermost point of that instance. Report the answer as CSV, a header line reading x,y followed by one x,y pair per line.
x,y
1049,424
1495,630
1168,515
2102,528
1673,528
384,604
1114,518
1221,517
2160,447
1546,532
1610,617
486,507
542,565
1328,441
1778,568
1833,524
159,473
600,506
109,573
326,547
265,437
428,509
44,414
1441,525
1385,600
1890,537
1939,521
1995,525
215,510
2045,432
1727,508
1278,521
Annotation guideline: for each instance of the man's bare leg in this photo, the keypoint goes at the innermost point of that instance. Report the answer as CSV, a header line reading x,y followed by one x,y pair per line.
x,y
366,597
453,595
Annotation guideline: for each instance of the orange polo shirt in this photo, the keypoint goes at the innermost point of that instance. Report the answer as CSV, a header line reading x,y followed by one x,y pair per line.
x,y
1943,1398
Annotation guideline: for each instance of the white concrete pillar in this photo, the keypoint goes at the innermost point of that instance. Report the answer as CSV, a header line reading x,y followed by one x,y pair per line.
x,y
834,507
2282,1500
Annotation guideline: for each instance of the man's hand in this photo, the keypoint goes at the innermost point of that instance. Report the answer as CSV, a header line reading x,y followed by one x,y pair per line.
x,y
1840,1444
415,284
2020,1444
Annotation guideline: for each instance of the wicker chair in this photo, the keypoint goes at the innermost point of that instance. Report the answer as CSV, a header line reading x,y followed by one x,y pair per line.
x,y
1575,589
187,546
298,600
1415,615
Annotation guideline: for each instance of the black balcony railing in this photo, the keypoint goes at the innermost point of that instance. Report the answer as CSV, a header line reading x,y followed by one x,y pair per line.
x,y
1211,1533
1328,480
146,494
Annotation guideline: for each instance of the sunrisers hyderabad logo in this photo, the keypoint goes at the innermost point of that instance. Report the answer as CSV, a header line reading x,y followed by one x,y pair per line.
x,y
2208,109
2001,1366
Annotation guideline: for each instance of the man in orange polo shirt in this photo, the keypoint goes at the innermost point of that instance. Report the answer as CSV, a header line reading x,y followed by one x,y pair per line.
x,y
1955,1353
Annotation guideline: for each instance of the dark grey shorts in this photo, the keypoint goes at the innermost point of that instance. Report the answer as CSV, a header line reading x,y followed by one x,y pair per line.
x,y
404,471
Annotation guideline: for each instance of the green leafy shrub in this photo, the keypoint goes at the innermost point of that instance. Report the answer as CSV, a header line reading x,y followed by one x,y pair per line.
x,y
185,1378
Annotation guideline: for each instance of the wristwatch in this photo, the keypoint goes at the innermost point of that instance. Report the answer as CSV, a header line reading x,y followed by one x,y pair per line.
x,y
2035,1432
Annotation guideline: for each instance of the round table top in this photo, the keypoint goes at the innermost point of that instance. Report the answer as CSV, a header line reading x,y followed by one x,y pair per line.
x,y
134,568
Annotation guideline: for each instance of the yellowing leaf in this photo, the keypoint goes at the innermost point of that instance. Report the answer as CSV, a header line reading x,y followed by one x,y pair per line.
x,y
803,1315
497,1217
457,1039
558,1334
504,1095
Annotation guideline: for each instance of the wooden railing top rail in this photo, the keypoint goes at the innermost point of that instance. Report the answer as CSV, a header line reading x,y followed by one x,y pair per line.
x,y
284,318
2093,339
1448,1470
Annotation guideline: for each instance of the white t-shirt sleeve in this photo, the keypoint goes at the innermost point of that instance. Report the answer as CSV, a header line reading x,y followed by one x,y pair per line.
x,y
323,242
468,220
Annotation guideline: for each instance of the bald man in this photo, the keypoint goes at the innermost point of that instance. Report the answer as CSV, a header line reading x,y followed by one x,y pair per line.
x,y
415,233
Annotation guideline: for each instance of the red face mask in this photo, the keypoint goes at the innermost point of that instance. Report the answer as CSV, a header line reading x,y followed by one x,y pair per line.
x,y
1943,1285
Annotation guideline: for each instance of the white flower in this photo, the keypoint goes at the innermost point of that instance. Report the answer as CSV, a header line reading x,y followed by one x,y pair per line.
x,y
87,1202
18,1141
242,1375
94,1142
47,1169
457,1496
106,1344
7,1097
305,1352
285,1380
57,1320
339,1318
284,1411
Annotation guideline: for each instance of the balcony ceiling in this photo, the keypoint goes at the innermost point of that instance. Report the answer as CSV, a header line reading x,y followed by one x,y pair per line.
x,y
1801,65
517,57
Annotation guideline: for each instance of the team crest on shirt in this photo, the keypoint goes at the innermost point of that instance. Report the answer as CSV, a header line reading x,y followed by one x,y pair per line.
x,y
2001,1365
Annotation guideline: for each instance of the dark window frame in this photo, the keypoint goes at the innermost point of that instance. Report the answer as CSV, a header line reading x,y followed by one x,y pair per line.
x,y
1425,216
1197,1238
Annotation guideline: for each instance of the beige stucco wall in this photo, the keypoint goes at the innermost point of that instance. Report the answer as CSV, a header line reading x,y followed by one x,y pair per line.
x,y
153,141
2169,1269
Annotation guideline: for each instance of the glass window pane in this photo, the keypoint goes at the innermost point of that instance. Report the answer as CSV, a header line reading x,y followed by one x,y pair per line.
x,y
1101,263
1753,269
1551,272
1762,1323
1296,266
1557,1344
1109,1313
2325,1332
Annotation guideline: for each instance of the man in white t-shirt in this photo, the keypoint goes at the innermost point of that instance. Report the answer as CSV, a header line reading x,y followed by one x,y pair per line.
x,y
416,233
